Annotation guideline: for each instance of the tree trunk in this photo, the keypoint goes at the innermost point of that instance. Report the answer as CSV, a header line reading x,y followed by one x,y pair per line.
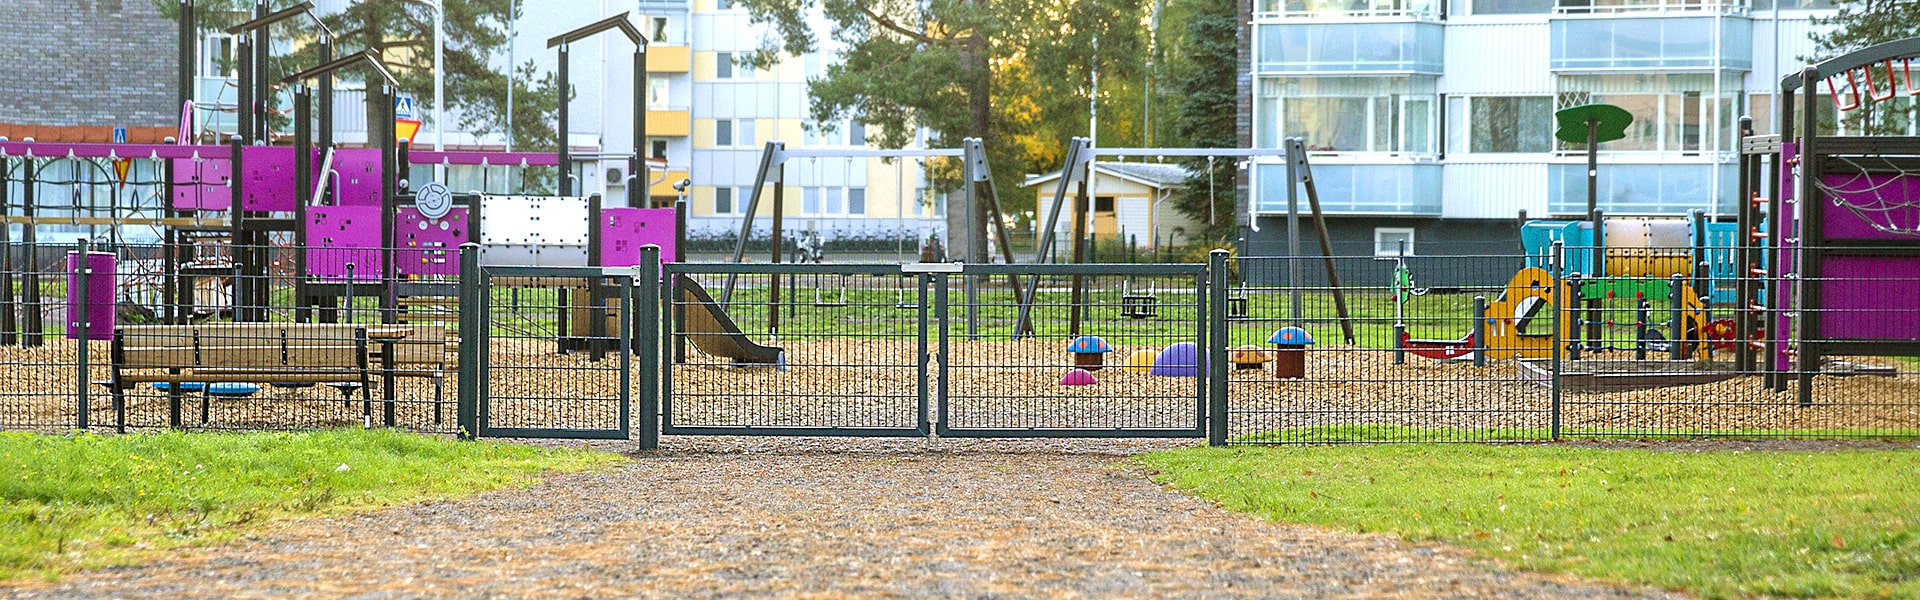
x,y
967,221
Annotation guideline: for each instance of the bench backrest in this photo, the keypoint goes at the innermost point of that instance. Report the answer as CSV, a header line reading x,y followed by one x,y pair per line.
x,y
427,345
242,345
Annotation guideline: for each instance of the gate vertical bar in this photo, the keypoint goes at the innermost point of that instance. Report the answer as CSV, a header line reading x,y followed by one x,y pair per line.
x,y
82,248
1559,340
473,340
625,348
1213,315
940,392
646,285
925,280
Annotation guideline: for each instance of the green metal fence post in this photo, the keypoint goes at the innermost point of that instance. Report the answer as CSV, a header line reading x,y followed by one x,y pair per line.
x,y
1479,331
1214,312
647,345
78,320
1559,264
1676,323
473,341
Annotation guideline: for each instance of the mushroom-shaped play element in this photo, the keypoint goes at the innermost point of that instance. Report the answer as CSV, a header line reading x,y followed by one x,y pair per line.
x,y
1248,357
1290,362
1140,361
1078,377
1089,352
1178,360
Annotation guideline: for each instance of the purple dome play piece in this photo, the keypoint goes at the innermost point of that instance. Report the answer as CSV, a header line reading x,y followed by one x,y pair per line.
x,y
1078,377
1178,360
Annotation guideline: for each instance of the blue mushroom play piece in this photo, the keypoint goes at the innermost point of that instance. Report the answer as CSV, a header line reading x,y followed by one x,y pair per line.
x,y
1089,352
1089,344
1290,362
1291,336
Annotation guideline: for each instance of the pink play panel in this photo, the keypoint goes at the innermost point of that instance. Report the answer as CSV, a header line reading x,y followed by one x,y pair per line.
x,y
624,230
428,246
201,184
342,235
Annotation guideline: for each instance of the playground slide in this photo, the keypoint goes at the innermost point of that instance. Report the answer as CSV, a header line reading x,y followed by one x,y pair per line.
x,y
707,325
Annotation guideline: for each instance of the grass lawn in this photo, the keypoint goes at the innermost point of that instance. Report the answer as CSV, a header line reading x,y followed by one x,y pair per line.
x,y
71,502
1717,523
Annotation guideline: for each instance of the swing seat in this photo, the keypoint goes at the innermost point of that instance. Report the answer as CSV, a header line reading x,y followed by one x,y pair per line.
x,y
1139,307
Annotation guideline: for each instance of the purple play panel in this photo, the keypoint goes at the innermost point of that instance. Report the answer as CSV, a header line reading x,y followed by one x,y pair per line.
x,y
202,184
624,230
342,235
359,182
99,294
1860,201
1783,295
1870,298
266,178
428,246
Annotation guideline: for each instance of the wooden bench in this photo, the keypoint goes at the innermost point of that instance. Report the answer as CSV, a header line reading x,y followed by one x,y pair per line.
x,y
345,354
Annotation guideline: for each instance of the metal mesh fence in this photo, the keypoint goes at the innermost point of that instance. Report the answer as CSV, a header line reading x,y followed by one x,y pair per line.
x,y
191,338
1416,348
821,349
1084,350
1651,356
558,360
39,377
1394,353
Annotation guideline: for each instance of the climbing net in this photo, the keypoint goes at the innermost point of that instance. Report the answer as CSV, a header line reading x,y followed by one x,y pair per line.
x,y
1883,192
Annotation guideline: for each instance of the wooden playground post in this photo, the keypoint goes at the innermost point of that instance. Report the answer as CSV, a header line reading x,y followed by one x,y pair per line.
x,y
1326,244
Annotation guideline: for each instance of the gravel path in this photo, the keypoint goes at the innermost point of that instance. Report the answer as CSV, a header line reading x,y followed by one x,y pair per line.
x,y
806,518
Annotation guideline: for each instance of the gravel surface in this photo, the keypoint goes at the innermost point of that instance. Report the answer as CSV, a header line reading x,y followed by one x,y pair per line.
x,y
720,517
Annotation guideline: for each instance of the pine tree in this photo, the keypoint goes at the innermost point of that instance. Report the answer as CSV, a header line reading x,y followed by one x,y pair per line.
x,y
1205,82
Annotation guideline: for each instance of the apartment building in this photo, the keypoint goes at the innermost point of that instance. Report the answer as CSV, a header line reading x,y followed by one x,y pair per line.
x,y
1431,121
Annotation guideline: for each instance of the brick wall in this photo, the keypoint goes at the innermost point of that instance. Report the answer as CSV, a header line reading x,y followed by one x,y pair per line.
x,y
87,66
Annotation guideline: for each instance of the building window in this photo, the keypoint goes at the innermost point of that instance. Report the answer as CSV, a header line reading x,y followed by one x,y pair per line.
x,y
857,201
1335,8
723,201
1622,6
1671,113
657,149
839,133
1103,204
810,201
1348,114
726,65
834,196
1509,123
723,132
659,30
1393,241
723,5
1511,7
659,92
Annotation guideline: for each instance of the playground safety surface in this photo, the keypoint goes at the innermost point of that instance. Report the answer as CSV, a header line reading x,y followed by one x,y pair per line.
x,y
716,517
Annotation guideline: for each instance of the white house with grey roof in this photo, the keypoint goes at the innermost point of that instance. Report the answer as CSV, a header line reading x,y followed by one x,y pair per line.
x,y
1129,200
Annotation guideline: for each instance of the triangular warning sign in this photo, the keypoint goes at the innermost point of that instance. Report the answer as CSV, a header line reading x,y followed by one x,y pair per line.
x,y
120,168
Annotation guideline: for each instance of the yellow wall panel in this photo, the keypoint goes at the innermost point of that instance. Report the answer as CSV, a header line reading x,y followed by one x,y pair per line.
x,y
703,133
669,123
703,66
669,59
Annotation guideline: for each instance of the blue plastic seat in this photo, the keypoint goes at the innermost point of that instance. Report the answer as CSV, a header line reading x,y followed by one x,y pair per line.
x,y
233,390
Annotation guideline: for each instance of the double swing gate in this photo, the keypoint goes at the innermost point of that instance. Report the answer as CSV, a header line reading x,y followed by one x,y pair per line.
x,y
837,350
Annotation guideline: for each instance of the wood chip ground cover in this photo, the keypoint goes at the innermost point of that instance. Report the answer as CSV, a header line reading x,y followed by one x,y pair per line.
x,y
836,518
